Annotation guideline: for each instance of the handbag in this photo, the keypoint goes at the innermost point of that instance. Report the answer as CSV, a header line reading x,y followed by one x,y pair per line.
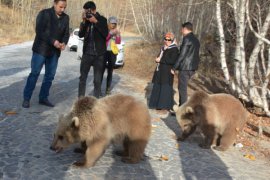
x,y
114,48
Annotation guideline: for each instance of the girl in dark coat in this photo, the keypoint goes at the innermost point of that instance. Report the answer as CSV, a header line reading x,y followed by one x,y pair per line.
x,y
162,93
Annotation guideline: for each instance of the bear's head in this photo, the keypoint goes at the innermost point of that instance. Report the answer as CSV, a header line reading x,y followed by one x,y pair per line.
x,y
66,133
188,118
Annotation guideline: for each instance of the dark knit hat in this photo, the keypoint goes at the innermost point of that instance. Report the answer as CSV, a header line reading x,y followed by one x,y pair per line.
x,y
89,5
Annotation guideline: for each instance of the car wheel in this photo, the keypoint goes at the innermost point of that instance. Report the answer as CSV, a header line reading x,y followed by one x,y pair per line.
x,y
123,65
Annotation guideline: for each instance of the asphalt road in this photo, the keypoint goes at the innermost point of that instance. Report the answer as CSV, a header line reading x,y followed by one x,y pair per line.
x,y
26,134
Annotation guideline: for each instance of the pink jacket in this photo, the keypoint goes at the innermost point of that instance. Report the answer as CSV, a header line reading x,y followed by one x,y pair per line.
x,y
117,39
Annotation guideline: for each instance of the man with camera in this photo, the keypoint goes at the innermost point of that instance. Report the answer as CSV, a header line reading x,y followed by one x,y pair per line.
x,y
94,30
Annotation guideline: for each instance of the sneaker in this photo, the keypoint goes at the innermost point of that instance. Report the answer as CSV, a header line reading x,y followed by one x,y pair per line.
x,y
46,102
26,104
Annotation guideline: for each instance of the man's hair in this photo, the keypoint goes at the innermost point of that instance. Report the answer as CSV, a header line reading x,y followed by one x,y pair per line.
x,y
188,25
89,5
56,1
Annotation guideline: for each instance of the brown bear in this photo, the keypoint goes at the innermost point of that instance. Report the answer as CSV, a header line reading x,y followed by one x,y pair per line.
x,y
98,122
219,116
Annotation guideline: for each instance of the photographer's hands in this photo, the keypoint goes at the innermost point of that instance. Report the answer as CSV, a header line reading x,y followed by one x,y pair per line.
x,y
92,19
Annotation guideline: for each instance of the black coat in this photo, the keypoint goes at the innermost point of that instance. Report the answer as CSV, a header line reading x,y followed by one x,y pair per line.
x,y
189,54
163,75
100,32
48,29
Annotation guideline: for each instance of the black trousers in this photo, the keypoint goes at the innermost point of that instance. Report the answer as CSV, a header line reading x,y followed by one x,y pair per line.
x,y
99,65
111,59
183,78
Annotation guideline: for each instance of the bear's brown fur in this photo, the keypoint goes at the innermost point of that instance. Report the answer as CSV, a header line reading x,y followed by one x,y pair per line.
x,y
97,122
219,116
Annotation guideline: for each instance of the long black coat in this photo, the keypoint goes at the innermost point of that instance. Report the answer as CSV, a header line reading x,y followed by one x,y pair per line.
x,y
163,75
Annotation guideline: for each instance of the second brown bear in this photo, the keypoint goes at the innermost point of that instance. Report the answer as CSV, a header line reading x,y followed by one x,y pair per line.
x,y
219,116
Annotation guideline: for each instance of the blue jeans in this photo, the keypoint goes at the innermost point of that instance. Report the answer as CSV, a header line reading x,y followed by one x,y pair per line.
x,y
37,63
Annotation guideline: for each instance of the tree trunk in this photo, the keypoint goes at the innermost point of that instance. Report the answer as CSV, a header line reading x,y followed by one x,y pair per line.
x,y
222,43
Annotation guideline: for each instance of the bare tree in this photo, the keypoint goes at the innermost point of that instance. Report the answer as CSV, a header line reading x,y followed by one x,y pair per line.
x,y
224,66
250,80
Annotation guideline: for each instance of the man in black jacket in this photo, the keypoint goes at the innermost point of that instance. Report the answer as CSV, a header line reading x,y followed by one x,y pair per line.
x,y
52,34
94,29
188,60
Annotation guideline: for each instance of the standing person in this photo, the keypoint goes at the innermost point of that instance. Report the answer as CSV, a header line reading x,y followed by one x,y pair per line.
x,y
110,57
161,97
94,30
52,34
188,60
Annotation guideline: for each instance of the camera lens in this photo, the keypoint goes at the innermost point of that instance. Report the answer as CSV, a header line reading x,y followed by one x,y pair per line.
x,y
88,15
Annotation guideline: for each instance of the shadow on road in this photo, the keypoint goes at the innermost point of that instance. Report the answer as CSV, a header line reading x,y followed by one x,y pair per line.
x,y
120,170
197,163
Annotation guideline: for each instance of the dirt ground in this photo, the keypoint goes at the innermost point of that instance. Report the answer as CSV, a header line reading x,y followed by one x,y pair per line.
x,y
255,137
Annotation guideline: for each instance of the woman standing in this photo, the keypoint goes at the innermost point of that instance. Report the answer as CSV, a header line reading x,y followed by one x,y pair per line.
x,y
112,39
162,93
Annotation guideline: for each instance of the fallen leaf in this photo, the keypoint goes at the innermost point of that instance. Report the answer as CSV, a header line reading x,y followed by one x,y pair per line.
x,y
250,156
164,158
10,113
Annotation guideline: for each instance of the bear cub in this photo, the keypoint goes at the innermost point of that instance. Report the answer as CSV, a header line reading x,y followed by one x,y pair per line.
x,y
219,116
98,122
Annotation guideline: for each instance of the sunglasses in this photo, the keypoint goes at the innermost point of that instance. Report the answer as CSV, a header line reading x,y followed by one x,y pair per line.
x,y
167,39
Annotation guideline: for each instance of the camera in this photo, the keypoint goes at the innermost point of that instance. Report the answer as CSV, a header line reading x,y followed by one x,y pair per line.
x,y
88,15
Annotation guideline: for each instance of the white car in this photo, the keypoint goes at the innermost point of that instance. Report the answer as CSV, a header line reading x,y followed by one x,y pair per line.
x,y
74,40
119,58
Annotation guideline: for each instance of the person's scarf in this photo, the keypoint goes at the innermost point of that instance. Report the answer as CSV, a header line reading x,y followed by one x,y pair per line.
x,y
162,51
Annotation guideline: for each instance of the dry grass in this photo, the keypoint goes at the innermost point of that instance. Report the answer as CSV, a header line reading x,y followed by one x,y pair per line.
x,y
140,59
11,30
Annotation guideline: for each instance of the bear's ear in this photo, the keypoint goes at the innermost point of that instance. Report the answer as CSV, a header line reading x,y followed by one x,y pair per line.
x,y
75,122
189,110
